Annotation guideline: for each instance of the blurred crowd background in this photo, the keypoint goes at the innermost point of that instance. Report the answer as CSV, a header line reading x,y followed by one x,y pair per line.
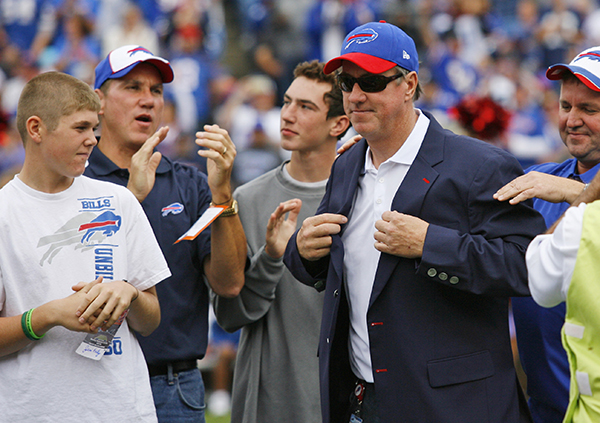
x,y
483,62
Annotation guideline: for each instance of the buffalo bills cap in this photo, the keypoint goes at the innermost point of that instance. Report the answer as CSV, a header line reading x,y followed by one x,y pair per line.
x,y
122,60
377,47
585,66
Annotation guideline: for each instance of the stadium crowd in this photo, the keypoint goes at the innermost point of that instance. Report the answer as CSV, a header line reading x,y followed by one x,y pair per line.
x,y
483,62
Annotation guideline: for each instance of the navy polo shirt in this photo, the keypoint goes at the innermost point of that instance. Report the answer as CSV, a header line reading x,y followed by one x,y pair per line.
x,y
179,196
538,329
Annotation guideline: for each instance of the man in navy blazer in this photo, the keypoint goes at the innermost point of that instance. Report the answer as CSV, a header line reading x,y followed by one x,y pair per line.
x,y
417,259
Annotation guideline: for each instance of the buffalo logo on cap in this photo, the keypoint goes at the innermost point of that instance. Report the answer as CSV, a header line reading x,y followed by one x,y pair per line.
x,y
138,50
593,55
364,37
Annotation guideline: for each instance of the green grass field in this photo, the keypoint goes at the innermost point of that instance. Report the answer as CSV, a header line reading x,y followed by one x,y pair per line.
x,y
213,419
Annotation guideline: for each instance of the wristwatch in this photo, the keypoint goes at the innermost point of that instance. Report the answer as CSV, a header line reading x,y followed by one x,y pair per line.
x,y
229,211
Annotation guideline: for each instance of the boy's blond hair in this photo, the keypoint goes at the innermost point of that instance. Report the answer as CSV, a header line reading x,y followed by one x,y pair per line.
x,y
52,95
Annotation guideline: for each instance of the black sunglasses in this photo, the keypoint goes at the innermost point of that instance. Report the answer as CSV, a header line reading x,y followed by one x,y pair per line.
x,y
369,83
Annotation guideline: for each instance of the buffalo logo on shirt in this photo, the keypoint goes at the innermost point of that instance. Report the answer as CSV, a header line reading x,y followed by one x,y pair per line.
x,y
107,224
174,208
82,231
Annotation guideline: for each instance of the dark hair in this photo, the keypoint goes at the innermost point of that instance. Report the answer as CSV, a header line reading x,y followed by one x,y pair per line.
x,y
568,76
333,98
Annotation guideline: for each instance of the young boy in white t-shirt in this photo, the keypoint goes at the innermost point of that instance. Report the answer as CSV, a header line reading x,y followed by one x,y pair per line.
x,y
76,254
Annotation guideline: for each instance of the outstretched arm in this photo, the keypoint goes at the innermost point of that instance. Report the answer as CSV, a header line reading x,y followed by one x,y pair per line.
x,y
554,189
589,194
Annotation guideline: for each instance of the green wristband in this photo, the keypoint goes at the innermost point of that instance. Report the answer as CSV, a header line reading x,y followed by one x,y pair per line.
x,y
27,328
24,326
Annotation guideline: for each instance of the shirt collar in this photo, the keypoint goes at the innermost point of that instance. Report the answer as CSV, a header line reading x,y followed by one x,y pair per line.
x,y
585,177
408,151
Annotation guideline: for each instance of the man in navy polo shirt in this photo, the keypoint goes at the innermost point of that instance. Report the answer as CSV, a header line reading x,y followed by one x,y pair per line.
x,y
554,186
129,82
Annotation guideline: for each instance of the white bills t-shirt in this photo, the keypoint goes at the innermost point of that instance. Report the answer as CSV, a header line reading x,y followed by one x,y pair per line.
x,y
48,243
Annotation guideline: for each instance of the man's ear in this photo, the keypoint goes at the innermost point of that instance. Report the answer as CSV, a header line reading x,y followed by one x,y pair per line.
x,y
412,80
341,123
100,94
35,128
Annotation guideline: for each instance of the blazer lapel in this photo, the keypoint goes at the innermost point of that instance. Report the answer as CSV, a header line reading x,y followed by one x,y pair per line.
x,y
355,160
411,194
356,157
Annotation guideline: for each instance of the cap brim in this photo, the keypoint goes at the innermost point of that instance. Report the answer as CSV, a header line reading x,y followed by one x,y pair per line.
x,y
590,80
367,62
164,68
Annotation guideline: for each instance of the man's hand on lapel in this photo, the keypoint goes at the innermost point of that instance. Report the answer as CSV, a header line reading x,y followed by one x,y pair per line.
x,y
314,237
400,234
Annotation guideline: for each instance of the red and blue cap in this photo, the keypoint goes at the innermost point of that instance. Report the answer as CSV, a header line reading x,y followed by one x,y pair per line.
x,y
377,47
585,66
122,60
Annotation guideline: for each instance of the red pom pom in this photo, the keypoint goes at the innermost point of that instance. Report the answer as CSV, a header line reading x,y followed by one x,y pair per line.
x,y
482,116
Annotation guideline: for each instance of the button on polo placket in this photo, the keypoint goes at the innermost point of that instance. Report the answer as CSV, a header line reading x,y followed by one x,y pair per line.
x,y
379,194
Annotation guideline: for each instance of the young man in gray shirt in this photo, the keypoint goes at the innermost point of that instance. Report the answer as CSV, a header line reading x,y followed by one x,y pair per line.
x,y
276,378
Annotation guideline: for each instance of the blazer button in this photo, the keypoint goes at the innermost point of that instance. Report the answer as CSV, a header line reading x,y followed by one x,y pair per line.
x,y
443,276
328,340
336,293
454,280
432,272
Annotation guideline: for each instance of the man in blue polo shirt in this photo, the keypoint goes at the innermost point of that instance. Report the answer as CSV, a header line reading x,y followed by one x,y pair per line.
x,y
129,82
554,187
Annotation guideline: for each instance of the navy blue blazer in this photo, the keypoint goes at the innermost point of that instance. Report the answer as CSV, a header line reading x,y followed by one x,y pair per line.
x,y
438,325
